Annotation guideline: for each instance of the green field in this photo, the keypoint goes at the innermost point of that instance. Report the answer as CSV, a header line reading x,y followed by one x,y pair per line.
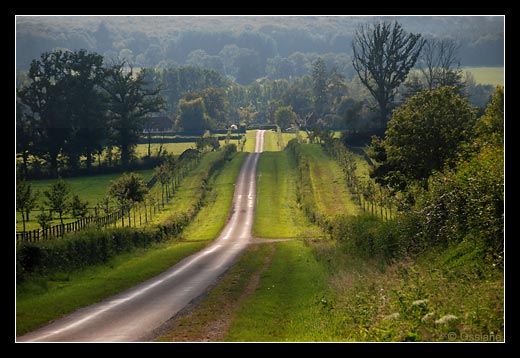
x,y
277,214
90,188
141,150
487,75
172,148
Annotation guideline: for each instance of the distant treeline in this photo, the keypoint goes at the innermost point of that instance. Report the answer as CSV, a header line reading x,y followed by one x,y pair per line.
x,y
264,47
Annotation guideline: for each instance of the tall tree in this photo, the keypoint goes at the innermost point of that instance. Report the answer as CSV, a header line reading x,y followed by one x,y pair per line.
x,y
193,116
88,106
319,89
215,102
131,99
46,98
284,117
441,67
78,207
25,136
383,55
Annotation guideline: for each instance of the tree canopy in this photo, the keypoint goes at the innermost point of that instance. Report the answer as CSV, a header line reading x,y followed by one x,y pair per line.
x,y
423,135
383,54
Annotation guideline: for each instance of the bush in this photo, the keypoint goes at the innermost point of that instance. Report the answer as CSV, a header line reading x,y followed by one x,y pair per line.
x,y
368,236
80,249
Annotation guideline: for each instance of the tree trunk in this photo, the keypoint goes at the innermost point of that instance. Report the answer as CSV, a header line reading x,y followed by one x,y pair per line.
x,y
149,144
125,155
25,158
89,160
54,165
162,194
23,221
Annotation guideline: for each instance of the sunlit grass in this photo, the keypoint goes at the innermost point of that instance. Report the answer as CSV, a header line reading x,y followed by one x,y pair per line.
x,y
290,303
211,219
277,212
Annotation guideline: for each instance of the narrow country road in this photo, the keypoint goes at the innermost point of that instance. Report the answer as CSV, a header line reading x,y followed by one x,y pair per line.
x,y
134,313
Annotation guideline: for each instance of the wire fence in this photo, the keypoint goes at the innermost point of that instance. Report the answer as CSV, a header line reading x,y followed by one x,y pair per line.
x,y
138,213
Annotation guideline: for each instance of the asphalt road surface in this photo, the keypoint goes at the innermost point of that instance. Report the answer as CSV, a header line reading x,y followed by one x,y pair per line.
x,y
133,314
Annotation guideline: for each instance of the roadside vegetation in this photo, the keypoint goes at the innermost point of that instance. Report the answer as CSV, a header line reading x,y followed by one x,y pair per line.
x,y
117,257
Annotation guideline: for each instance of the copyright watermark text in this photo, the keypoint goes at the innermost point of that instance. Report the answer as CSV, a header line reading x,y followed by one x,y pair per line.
x,y
478,337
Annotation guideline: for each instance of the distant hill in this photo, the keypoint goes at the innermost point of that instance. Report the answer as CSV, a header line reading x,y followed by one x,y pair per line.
x,y
272,46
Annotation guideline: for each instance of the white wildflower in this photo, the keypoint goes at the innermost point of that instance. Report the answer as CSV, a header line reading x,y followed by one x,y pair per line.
x,y
427,317
392,316
420,302
446,319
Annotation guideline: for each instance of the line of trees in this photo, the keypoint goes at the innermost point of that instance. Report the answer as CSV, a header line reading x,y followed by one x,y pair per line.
x,y
72,105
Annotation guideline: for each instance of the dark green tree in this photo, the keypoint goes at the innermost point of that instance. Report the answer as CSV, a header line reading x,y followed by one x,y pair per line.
x,y
128,189
131,100
26,199
383,54
215,103
57,197
25,137
88,107
193,116
284,117
319,89
423,135
44,217
46,98
78,207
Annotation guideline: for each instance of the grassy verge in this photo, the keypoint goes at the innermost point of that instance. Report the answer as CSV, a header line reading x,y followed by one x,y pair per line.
x,y
190,189
250,141
271,143
291,300
440,296
210,320
44,299
277,213
212,217
327,180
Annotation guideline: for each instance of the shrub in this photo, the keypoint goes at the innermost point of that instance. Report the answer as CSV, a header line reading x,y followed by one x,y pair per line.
x,y
80,249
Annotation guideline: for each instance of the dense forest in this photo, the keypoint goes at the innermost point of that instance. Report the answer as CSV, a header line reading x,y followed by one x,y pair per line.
x,y
243,48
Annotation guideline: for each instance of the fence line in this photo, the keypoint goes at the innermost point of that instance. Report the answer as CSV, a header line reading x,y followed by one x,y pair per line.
x,y
59,230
